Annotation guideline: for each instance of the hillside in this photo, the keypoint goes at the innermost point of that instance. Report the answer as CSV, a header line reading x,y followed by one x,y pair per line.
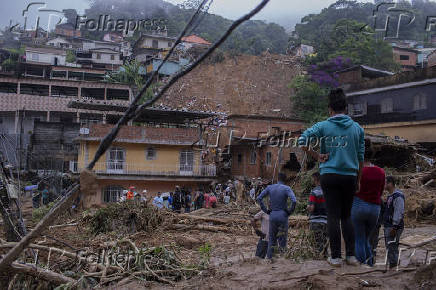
x,y
253,37
251,85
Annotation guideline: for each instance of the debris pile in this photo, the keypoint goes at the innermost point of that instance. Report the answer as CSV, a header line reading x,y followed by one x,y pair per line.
x,y
241,85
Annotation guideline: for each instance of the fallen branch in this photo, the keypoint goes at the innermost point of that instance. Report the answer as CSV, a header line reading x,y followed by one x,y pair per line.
x,y
62,226
201,228
375,270
61,252
60,207
41,273
222,221
135,111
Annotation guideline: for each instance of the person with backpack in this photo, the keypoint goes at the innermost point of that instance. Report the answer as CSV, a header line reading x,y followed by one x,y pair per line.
x,y
393,220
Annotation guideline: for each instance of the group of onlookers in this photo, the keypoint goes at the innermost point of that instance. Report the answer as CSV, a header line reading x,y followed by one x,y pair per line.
x,y
347,197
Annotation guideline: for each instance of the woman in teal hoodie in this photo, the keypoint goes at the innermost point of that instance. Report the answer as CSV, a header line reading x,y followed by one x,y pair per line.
x,y
342,147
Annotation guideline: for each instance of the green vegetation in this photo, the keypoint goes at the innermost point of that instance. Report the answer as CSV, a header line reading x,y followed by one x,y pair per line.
x,y
39,213
71,57
11,63
205,252
131,74
309,100
253,37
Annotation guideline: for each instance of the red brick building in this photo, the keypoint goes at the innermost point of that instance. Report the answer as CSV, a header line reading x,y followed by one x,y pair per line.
x,y
406,57
67,29
261,146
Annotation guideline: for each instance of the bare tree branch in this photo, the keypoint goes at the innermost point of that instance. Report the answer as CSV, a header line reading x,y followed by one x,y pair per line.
x,y
134,111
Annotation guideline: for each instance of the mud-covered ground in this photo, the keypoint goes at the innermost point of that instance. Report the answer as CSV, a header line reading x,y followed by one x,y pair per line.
x,y
232,264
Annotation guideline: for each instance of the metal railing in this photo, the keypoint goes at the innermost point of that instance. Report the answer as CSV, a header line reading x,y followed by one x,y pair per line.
x,y
124,168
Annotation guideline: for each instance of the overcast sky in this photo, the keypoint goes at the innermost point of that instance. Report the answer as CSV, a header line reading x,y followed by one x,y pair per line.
x,y
284,12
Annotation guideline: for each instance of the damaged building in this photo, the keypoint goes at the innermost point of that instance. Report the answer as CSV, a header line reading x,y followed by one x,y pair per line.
x,y
27,101
401,106
163,150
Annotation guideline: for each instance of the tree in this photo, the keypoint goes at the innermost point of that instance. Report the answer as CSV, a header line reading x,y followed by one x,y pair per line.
x,y
71,57
357,42
309,99
132,74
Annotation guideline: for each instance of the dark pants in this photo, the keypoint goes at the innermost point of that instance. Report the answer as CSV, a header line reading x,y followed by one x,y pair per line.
x,y
319,231
278,231
392,244
364,216
187,209
262,247
339,192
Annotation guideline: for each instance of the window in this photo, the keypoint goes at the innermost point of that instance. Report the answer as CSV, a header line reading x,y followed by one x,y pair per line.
x,y
268,158
112,193
150,154
98,56
112,57
35,56
386,106
253,157
116,159
155,44
239,158
420,102
357,110
404,57
170,44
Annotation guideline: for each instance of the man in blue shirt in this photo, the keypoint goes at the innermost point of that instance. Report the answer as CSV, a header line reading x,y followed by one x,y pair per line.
x,y
278,212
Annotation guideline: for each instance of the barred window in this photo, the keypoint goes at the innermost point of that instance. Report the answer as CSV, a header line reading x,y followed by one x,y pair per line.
x,y
112,193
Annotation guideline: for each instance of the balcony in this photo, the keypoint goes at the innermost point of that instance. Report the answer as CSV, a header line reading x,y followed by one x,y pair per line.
x,y
122,168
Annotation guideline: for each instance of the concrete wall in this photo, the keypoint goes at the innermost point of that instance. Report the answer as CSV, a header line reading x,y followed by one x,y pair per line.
x,y
45,57
148,42
167,157
423,131
106,58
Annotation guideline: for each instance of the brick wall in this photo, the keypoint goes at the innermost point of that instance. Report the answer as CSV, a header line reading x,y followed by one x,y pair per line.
x,y
350,77
138,133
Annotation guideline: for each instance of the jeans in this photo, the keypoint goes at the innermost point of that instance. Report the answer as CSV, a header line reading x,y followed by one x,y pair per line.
x,y
392,244
364,216
339,192
278,231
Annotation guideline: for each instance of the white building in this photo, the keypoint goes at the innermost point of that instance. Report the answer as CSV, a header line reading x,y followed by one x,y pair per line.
x,y
43,55
59,42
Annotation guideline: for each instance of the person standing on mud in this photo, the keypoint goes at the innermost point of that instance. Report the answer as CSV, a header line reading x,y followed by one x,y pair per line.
x,y
393,221
366,206
342,147
278,212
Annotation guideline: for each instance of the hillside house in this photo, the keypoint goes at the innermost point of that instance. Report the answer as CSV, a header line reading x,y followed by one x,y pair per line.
x,y
406,57
195,41
260,146
152,157
402,106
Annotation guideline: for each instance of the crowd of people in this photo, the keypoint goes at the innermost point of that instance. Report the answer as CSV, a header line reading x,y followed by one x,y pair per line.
x,y
346,199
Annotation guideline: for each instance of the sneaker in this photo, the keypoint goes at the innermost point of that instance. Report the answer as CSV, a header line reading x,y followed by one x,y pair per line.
x,y
337,262
352,261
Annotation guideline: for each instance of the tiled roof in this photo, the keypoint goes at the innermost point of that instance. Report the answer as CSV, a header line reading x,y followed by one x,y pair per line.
x,y
195,39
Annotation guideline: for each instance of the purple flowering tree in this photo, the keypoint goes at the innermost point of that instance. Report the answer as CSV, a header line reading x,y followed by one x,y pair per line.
x,y
324,74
